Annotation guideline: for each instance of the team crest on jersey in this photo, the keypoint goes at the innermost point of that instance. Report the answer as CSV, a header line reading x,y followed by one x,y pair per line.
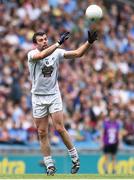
x,y
49,61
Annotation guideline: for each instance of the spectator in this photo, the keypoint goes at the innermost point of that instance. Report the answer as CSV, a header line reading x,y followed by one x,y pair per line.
x,y
129,130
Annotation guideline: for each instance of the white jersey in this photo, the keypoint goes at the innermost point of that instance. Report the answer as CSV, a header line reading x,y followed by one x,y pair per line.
x,y
44,72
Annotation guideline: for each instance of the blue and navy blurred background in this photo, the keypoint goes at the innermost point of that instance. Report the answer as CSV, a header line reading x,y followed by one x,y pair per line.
x,y
100,80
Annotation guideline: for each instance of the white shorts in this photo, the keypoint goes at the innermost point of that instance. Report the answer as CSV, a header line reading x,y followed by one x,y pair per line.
x,y
44,105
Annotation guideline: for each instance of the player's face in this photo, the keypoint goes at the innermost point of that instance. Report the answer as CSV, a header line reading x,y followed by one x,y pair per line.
x,y
112,115
42,42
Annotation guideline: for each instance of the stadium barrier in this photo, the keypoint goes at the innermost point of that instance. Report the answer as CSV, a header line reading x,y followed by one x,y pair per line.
x,y
90,163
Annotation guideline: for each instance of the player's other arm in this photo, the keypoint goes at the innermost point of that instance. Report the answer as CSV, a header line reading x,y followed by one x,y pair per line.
x,y
46,52
92,36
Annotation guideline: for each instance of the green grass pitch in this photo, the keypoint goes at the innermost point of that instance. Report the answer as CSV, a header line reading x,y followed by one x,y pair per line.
x,y
65,176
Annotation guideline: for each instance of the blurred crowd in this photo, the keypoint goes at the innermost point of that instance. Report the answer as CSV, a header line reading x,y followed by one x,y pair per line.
x,y
102,79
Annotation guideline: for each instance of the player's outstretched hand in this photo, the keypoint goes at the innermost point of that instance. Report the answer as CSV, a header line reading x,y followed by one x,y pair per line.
x,y
92,36
64,37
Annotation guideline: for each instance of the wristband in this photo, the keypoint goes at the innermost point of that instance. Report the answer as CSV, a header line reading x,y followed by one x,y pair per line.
x,y
57,44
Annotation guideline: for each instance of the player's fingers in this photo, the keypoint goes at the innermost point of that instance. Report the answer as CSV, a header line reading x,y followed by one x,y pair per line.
x,y
89,33
67,35
95,34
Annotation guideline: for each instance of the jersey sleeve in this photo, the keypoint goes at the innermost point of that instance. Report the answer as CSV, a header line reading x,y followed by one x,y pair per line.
x,y
61,54
31,54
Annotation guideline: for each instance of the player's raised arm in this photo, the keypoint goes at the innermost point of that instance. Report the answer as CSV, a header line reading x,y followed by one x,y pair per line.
x,y
92,36
41,43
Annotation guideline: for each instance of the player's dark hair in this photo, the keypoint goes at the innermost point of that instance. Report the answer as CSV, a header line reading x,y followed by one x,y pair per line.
x,y
37,34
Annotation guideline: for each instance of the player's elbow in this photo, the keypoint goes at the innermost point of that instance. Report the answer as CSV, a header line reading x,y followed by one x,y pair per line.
x,y
41,56
78,54
81,54
37,56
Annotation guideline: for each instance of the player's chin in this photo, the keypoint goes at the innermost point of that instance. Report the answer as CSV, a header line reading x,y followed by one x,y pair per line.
x,y
44,46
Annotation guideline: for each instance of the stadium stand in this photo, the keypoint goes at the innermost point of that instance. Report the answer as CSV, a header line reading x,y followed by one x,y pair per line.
x,y
102,79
